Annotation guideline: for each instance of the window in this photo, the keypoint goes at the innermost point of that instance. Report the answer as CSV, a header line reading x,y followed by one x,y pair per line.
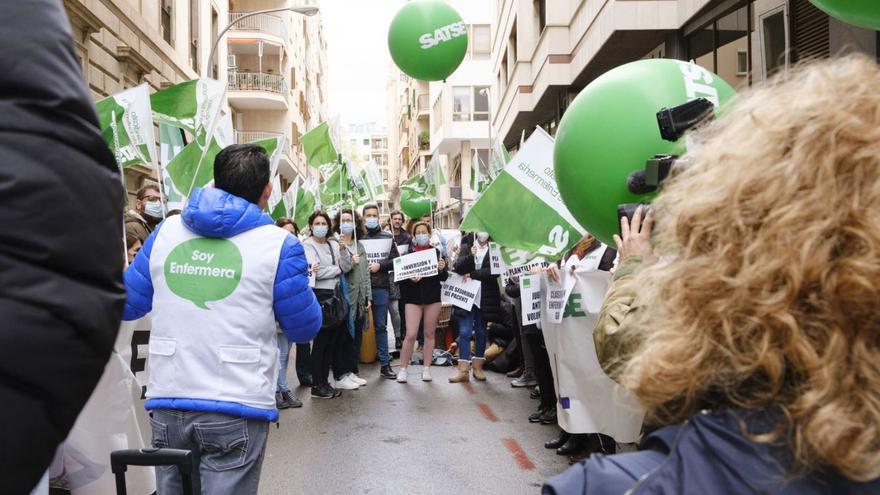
x,y
773,41
215,32
194,35
541,14
366,141
481,40
722,45
742,62
511,50
167,20
481,103
461,103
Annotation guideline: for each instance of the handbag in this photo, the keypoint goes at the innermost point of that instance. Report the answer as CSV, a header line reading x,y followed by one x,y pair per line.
x,y
335,307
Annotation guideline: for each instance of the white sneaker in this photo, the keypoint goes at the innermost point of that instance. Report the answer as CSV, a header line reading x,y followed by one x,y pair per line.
x,y
426,375
401,375
346,384
360,381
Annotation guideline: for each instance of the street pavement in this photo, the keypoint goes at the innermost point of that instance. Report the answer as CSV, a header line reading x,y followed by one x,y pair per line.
x,y
414,438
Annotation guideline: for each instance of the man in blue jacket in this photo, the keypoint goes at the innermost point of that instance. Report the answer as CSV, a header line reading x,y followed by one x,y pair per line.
x,y
216,279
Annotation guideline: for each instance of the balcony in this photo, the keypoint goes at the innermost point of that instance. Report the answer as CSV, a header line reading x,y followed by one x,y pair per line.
x,y
423,106
242,137
257,91
267,27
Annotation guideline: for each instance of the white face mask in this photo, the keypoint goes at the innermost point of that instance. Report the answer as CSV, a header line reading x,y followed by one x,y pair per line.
x,y
153,209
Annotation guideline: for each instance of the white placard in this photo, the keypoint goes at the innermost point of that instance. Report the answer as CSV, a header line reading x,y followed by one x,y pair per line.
x,y
557,294
530,295
312,278
419,264
377,249
460,292
496,266
402,249
515,272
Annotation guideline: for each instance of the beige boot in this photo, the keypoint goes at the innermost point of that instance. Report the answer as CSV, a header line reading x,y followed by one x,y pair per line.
x,y
478,369
464,372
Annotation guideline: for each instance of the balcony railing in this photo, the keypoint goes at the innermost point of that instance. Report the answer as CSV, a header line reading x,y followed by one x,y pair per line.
x,y
262,23
242,137
423,103
255,81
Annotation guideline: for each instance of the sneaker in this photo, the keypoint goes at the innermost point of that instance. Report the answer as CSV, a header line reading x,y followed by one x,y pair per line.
x,y
322,392
426,375
524,381
401,375
280,403
387,372
360,381
336,392
291,400
346,384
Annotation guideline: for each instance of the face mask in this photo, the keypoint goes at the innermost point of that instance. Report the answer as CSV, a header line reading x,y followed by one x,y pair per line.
x,y
423,239
153,209
346,228
372,222
319,231
482,236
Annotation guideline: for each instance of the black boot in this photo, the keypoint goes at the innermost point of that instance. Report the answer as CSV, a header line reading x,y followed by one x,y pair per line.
x,y
549,417
290,400
388,372
559,441
535,417
577,442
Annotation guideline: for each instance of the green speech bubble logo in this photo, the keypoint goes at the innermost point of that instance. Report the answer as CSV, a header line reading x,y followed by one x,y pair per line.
x,y
202,270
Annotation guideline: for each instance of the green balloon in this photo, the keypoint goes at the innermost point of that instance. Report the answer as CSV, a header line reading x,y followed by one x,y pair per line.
x,y
428,40
862,13
413,205
610,130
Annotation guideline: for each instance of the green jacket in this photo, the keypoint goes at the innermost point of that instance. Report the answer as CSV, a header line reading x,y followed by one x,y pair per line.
x,y
615,335
359,291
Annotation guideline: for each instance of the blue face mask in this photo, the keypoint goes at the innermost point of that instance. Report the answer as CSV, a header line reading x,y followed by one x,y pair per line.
x,y
346,228
423,239
319,231
153,209
372,222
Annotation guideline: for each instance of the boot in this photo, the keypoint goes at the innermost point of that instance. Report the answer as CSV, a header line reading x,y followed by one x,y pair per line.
x,y
557,442
478,369
464,372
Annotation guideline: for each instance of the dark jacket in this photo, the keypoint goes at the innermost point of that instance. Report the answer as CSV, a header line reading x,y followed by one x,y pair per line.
x,y
490,292
403,238
61,252
706,454
380,280
137,226
426,290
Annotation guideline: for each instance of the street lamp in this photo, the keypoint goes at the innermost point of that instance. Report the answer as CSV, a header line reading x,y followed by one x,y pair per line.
x,y
306,11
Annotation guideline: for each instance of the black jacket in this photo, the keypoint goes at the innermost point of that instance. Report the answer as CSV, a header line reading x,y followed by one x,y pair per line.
x,y
490,292
380,280
403,238
426,290
61,253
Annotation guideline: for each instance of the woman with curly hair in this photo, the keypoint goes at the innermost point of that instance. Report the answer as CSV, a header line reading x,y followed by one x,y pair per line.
x,y
759,327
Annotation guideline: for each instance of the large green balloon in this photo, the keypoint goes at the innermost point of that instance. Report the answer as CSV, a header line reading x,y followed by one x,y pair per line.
x,y
863,13
428,40
413,205
611,129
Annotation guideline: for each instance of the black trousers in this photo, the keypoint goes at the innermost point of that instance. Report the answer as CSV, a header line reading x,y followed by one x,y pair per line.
x,y
304,362
347,354
324,346
543,372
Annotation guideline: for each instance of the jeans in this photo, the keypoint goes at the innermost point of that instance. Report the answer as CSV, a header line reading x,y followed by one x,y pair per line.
x,y
227,449
283,359
380,321
472,324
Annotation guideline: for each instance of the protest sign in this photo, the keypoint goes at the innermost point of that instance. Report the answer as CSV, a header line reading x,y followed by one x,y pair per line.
x,y
556,295
496,266
402,249
312,278
530,294
377,249
419,264
460,292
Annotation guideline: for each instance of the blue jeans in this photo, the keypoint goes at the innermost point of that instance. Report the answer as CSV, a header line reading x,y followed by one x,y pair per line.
x,y
228,450
380,321
472,324
283,358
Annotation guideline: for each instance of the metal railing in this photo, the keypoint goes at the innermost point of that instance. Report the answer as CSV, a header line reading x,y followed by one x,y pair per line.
x,y
256,81
262,23
242,137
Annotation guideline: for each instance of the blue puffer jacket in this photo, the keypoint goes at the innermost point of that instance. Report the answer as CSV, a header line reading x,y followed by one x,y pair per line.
x,y
218,214
708,454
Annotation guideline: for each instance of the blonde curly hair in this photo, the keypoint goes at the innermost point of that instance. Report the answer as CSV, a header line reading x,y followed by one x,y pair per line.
x,y
771,295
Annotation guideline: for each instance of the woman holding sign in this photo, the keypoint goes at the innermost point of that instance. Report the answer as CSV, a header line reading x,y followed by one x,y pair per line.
x,y
350,228
421,298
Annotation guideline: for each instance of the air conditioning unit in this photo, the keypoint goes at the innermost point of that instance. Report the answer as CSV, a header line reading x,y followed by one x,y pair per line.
x,y
231,63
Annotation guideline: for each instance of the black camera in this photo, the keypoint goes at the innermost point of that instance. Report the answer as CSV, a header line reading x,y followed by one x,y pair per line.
x,y
673,123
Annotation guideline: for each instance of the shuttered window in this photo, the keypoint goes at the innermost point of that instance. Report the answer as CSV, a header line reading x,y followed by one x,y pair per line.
x,y
810,37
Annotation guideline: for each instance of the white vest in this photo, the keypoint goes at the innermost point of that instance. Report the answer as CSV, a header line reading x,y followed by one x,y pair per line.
x,y
213,334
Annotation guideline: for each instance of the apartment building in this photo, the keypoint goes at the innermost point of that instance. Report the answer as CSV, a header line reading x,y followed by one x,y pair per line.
x,y
369,141
277,73
124,43
544,52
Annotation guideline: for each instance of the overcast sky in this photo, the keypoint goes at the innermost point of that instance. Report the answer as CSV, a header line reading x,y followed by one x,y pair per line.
x,y
357,55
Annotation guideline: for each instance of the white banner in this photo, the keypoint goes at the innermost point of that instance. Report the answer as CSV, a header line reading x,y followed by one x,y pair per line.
x,y
556,295
419,264
460,292
588,401
515,272
530,295
496,266
377,249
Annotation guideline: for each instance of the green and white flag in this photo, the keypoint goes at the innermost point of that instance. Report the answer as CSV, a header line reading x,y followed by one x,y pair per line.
x,y
274,147
498,159
335,187
479,174
193,167
434,176
527,186
127,127
374,178
290,198
275,205
191,105
318,146
306,203
170,145
224,133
